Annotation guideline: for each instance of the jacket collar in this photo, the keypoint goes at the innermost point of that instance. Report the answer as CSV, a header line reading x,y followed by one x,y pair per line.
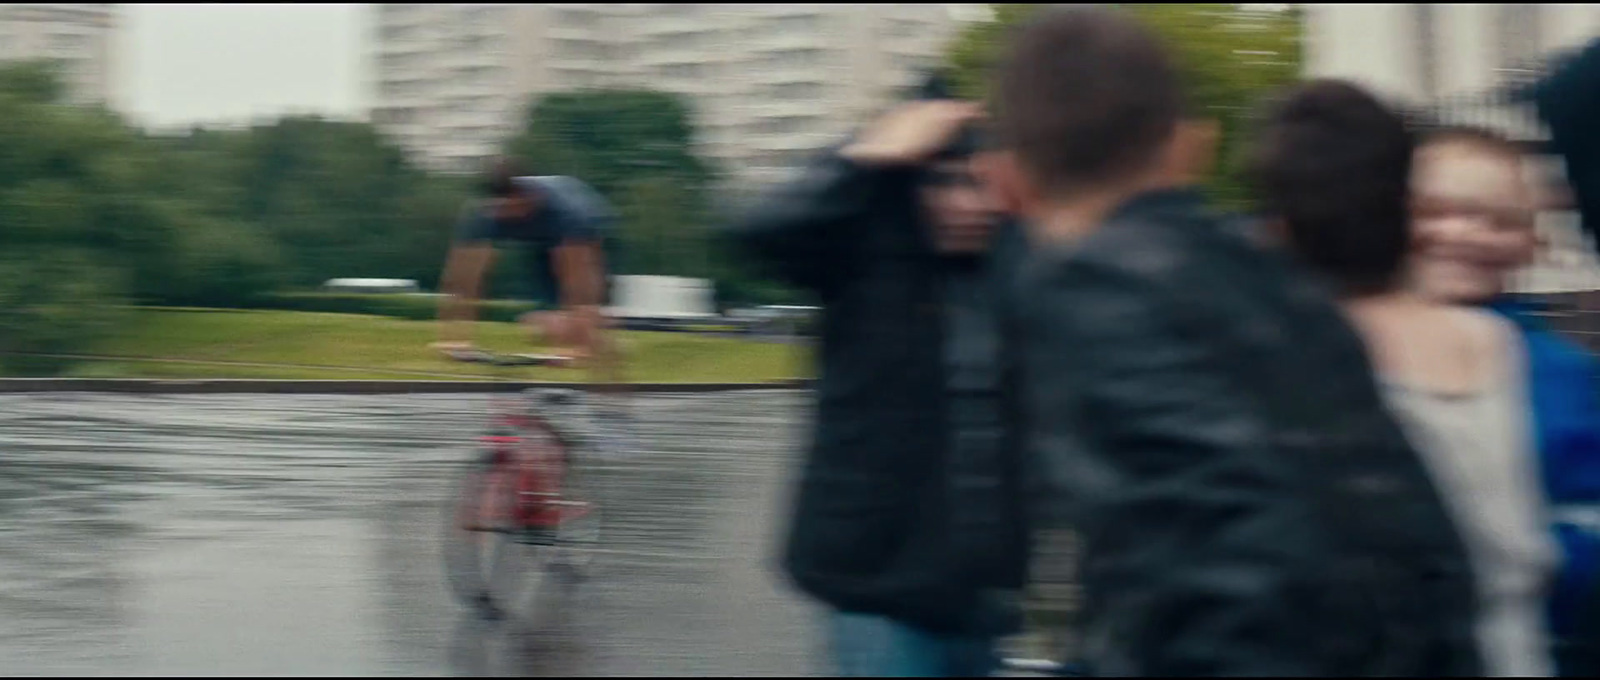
x,y
1174,199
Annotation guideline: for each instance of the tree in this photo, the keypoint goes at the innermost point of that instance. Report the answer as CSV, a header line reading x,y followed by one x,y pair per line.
x,y
1229,58
59,284
318,199
977,50
340,201
636,147
608,138
53,301
656,230
95,215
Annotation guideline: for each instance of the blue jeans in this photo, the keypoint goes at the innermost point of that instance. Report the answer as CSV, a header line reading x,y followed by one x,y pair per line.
x,y
865,645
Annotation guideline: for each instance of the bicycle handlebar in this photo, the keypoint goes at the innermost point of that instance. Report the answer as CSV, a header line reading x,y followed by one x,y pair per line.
x,y
1042,667
478,356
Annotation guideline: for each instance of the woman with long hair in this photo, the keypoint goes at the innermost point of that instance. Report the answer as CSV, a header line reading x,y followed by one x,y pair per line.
x,y
1333,169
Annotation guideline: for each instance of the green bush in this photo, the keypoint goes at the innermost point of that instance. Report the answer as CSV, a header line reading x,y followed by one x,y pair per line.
x,y
750,291
399,306
55,302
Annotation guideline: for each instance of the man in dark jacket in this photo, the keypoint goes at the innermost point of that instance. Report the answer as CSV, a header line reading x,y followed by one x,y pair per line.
x,y
1246,504
1568,101
908,520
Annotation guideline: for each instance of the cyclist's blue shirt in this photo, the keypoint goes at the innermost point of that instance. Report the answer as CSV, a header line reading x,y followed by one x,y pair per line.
x,y
569,209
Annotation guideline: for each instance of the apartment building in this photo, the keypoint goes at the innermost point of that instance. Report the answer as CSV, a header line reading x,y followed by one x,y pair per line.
x,y
1450,59
768,83
1422,52
78,36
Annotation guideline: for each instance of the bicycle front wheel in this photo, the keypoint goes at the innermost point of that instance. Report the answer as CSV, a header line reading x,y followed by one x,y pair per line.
x,y
481,559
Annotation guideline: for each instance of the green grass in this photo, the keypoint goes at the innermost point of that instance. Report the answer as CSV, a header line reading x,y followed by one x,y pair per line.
x,y
377,348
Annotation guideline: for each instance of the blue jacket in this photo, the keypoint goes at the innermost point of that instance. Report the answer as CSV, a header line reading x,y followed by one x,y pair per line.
x,y
1565,389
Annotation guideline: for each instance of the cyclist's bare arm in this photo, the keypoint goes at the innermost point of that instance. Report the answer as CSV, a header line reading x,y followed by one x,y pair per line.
x,y
461,284
580,265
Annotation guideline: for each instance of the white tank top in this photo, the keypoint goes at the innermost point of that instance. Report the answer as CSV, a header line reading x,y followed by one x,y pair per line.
x,y
1479,449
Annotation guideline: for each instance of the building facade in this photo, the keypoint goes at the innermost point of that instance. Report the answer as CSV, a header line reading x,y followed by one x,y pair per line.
x,y
1422,52
1451,60
767,83
76,36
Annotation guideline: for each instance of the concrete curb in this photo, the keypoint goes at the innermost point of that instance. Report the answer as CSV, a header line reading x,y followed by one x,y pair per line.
x,y
134,386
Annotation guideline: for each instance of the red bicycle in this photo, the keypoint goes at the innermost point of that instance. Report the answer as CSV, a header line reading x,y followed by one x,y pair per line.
x,y
522,499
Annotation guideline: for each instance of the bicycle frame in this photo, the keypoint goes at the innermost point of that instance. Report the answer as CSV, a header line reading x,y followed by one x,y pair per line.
x,y
537,469
534,470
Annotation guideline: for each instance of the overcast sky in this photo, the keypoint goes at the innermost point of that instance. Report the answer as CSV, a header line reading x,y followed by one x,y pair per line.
x,y
183,64
223,63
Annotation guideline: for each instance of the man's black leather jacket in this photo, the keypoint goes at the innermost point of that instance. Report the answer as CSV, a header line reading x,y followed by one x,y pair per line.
x,y
908,503
1248,507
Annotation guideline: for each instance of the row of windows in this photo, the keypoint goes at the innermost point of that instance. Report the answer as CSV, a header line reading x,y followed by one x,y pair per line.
x,y
785,126
796,58
456,82
481,42
588,49
902,28
710,36
1517,39
1519,35
415,40
684,71
576,18
795,91
467,150
58,43
678,11
796,24
698,39
482,16
787,158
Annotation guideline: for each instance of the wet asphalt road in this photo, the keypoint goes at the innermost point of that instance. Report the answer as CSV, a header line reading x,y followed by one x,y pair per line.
x,y
299,535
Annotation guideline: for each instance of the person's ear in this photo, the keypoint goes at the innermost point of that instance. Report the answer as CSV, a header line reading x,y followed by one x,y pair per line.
x,y
1193,153
1274,232
1001,174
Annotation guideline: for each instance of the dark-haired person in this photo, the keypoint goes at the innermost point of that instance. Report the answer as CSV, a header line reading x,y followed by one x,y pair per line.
x,y
562,226
1473,219
1248,506
1335,170
908,522
1568,101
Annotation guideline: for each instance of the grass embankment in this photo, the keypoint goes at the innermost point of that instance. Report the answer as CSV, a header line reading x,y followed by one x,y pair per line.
x,y
366,347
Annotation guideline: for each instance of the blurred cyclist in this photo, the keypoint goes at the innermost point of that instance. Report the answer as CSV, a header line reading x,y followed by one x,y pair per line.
x,y
562,225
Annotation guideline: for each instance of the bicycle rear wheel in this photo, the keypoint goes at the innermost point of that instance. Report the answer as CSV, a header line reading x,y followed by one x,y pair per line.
x,y
578,535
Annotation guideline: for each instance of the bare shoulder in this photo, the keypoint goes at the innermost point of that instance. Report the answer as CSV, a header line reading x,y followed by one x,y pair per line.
x,y
1488,328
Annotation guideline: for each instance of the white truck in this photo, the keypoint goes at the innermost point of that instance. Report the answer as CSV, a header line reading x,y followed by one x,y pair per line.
x,y
663,303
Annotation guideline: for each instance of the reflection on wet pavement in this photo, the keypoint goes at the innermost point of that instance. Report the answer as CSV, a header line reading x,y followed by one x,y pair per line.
x,y
299,535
